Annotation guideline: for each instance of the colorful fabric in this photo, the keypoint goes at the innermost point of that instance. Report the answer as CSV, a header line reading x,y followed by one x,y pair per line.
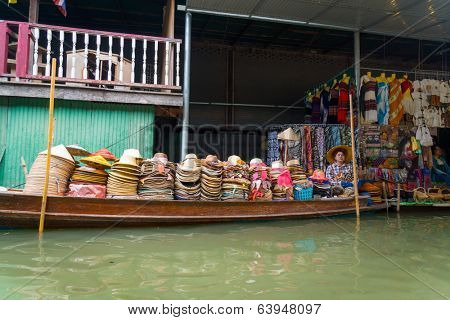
x,y
61,6
340,173
324,105
308,149
320,142
333,105
315,113
273,148
396,109
343,103
383,102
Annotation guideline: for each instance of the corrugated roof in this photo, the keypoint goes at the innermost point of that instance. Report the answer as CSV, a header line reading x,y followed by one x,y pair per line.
x,y
423,19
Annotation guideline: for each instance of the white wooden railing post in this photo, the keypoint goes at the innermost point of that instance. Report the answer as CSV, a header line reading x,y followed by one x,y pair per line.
x,y
133,58
110,58
49,50
86,45
144,62
121,60
61,54
74,52
177,81
166,69
97,58
155,67
36,51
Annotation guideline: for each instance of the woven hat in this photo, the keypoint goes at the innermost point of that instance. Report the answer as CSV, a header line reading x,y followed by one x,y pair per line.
x,y
127,160
188,165
60,151
235,160
289,135
345,149
76,150
105,153
256,162
190,156
277,164
293,162
319,176
132,153
97,162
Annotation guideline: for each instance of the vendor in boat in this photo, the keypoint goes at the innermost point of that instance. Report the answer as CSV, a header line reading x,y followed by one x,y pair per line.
x,y
441,170
340,170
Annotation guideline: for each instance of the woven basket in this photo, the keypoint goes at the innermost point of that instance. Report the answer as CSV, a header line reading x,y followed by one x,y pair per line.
x,y
446,194
420,195
435,194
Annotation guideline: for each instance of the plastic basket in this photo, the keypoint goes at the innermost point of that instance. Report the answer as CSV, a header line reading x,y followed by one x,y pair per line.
x,y
303,194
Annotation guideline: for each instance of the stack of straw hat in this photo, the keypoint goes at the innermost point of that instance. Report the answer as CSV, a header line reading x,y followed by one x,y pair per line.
x,y
105,153
280,191
61,166
124,175
374,191
235,182
187,179
93,172
211,179
260,188
298,175
157,179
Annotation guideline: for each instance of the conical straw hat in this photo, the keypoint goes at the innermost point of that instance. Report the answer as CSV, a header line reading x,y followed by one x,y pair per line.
x,y
76,150
61,152
127,160
132,153
289,135
105,153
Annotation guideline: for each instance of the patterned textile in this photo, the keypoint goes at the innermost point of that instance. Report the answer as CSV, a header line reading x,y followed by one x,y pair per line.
x,y
324,105
343,103
369,103
383,102
340,173
346,138
273,149
295,147
308,150
407,100
320,142
333,105
315,113
396,109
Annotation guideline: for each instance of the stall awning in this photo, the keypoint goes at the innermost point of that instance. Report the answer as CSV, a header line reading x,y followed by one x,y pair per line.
x,y
422,19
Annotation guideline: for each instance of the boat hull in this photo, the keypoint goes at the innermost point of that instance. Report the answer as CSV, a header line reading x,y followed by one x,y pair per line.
x,y
21,210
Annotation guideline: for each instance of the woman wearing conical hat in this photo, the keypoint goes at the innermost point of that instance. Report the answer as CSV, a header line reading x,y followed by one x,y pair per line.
x,y
340,168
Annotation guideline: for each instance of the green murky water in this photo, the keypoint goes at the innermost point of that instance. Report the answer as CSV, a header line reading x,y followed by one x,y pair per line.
x,y
391,257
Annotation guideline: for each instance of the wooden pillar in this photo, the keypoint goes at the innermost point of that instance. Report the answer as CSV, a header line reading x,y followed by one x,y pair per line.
x,y
23,50
168,32
33,13
4,42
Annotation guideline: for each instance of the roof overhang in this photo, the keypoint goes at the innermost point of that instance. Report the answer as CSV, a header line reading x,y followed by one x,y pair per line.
x,y
420,19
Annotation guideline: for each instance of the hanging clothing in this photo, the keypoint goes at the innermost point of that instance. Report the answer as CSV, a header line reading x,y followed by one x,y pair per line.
x,y
369,101
315,150
396,110
343,103
320,141
407,99
333,105
273,148
383,102
324,104
315,113
308,150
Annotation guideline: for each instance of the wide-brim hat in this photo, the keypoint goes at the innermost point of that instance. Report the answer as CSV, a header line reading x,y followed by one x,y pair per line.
x,y
60,151
105,153
235,160
318,175
97,162
289,135
132,153
76,150
345,149
277,164
293,162
190,156
127,160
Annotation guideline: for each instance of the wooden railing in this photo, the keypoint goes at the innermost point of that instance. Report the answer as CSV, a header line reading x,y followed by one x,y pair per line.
x,y
88,56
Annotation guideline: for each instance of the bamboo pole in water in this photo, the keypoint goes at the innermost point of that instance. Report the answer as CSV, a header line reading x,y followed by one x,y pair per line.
x,y
354,164
398,197
49,146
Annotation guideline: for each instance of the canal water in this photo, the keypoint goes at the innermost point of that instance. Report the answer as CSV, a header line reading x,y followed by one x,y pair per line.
x,y
390,257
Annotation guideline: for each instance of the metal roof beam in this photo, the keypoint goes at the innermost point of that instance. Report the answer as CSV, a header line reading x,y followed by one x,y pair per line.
x,y
330,6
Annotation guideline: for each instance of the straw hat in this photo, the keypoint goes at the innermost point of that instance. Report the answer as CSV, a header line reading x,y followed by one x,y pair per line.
x,y
188,165
161,157
277,164
97,162
190,156
105,153
127,160
60,151
345,149
132,153
289,135
235,160
318,176
293,162
76,150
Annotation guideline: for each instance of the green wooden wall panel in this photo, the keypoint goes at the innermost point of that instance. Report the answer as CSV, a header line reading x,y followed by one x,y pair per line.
x,y
92,125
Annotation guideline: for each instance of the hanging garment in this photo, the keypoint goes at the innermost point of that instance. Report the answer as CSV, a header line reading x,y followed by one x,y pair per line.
x,y
424,136
324,104
273,149
346,138
308,150
407,99
320,141
383,102
315,113
395,103
369,101
435,93
294,151
314,147
333,105
343,103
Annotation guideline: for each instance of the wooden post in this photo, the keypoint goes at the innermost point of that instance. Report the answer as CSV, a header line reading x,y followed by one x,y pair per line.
x,y
168,32
398,197
49,146
33,12
355,173
385,195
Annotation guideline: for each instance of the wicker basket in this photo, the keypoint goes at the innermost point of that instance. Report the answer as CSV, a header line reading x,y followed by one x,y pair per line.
x,y
420,195
446,194
435,194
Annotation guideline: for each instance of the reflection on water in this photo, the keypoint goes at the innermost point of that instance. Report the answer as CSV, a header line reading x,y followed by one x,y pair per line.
x,y
385,258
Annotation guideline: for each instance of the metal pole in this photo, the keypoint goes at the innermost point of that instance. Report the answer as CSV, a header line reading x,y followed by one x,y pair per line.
x,y
186,84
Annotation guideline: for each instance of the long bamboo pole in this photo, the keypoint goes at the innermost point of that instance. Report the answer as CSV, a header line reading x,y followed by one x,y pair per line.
x,y
354,164
49,146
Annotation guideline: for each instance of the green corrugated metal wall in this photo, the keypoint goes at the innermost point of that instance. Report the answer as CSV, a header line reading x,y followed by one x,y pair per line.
x,y
23,130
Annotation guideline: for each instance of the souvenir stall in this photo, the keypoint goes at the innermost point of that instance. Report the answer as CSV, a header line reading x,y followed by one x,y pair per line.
x,y
400,118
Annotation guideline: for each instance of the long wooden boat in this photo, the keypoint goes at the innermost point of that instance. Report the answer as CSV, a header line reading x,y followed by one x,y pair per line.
x,y
21,210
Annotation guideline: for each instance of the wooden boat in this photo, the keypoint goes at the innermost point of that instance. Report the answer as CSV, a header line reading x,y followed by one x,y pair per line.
x,y
21,210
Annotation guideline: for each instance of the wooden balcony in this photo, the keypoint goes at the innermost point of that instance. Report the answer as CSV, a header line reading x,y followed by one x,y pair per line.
x,y
92,65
